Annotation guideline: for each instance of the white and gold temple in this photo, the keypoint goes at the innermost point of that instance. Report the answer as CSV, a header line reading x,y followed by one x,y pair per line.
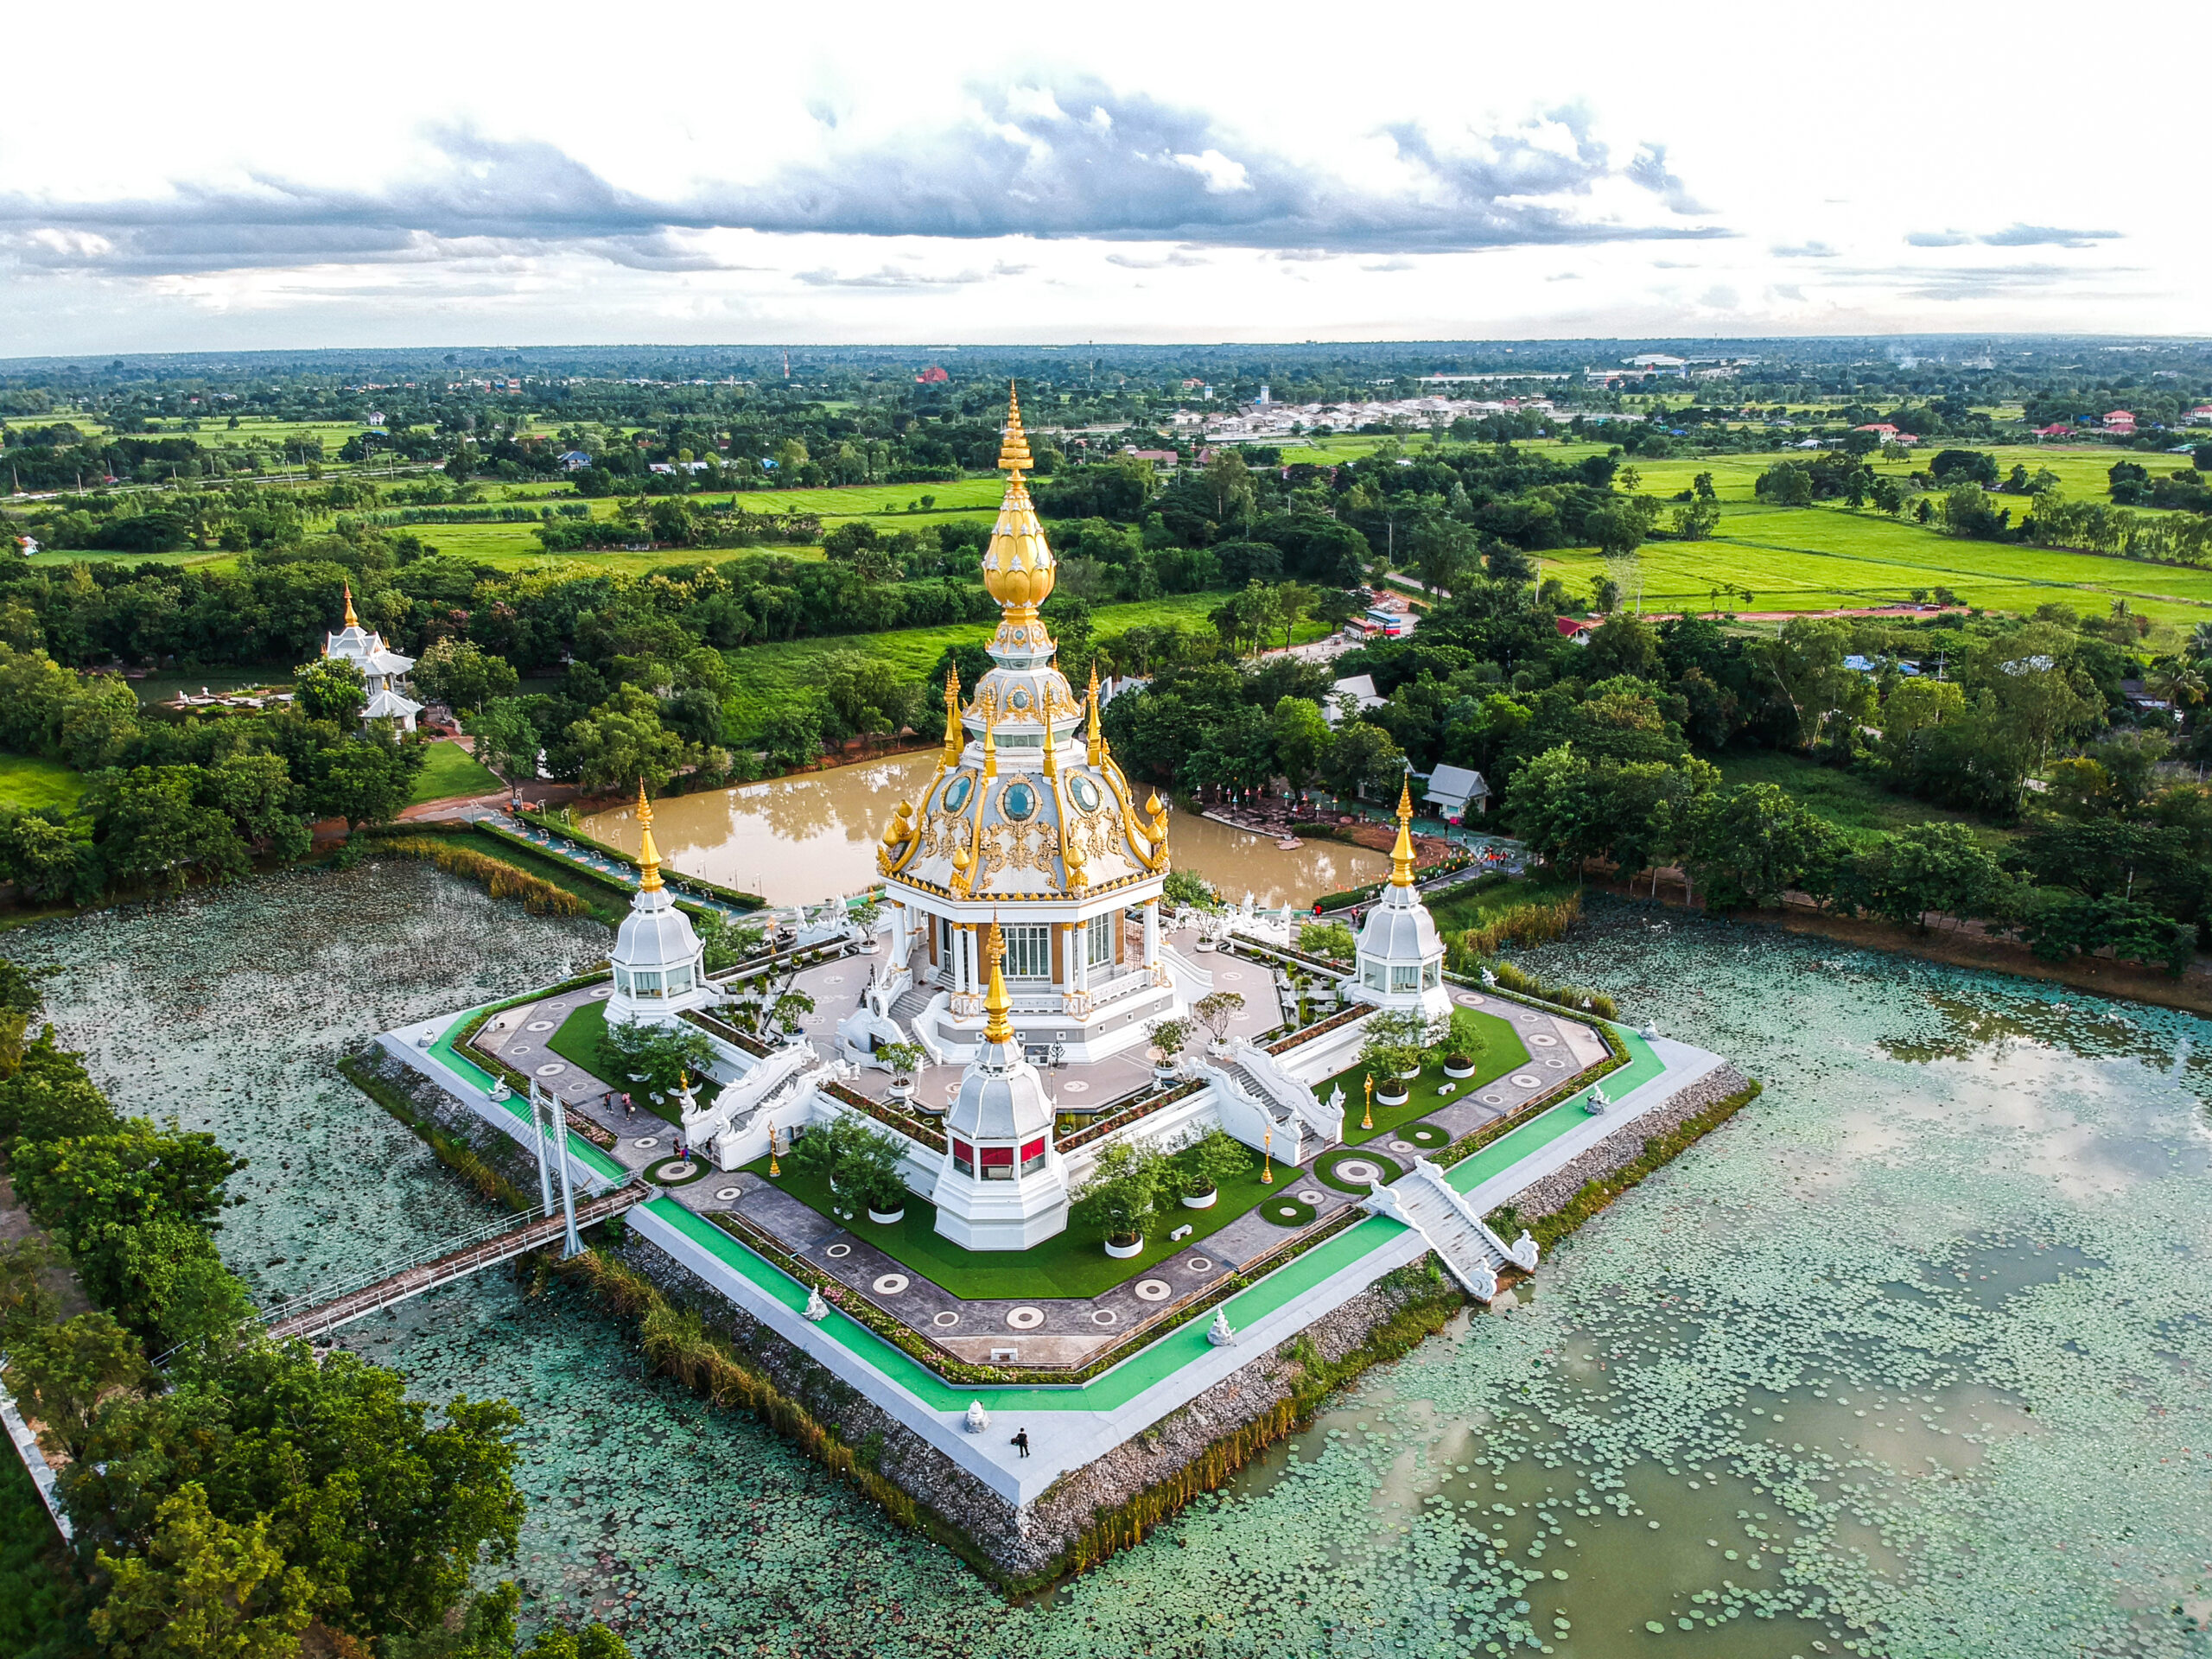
x,y
1029,822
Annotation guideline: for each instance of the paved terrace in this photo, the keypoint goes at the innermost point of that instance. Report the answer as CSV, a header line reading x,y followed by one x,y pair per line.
x,y
1032,1330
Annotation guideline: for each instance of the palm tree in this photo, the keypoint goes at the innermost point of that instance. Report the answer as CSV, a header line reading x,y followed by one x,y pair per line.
x,y
2200,642
2176,682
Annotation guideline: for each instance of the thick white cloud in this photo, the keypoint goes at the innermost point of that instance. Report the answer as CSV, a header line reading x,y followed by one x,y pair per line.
x,y
432,176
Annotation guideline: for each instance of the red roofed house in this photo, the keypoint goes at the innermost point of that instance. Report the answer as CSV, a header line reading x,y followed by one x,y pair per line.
x,y
2200,415
1886,432
932,376
2119,420
1577,629
2055,429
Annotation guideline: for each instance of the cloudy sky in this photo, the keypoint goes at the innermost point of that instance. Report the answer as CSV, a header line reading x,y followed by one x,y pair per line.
x,y
189,178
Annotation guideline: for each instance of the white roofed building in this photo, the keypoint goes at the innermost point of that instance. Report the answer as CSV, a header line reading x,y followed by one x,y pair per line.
x,y
383,671
659,964
1451,790
1400,952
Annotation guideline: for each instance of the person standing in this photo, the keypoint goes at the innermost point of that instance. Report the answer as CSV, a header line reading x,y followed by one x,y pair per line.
x,y
1022,1441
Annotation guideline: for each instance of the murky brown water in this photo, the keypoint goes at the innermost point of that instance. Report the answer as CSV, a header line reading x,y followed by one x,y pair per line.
x,y
801,840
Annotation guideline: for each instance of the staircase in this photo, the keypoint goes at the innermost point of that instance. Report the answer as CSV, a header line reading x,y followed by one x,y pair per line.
x,y
1425,1202
1265,1075
1255,1117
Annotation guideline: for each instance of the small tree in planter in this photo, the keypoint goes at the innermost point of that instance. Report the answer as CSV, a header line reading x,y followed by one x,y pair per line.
x,y
655,1057
1170,1037
1392,1052
904,1060
1122,1194
1214,1011
860,1163
1204,1161
1461,1041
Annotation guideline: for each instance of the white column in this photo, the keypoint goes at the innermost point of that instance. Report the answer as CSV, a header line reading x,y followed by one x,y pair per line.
x,y
1152,933
1080,939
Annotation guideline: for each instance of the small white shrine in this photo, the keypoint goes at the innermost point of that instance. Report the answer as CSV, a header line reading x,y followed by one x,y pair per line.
x,y
1003,1185
383,671
1400,952
659,964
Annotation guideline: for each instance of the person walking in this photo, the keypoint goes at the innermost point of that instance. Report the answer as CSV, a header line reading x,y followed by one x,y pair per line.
x,y
629,1109
1021,1440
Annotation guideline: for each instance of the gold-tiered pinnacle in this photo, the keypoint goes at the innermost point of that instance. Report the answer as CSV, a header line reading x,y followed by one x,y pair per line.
x,y
648,854
1013,452
1097,737
352,621
1401,855
996,1003
955,739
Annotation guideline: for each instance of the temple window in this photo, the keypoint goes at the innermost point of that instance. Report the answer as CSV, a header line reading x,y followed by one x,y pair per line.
x,y
1033,1156
997,1163
1371,973
1432,976
1406,978
644,984
963,1157
1098,940
622,981
1028,952
679,980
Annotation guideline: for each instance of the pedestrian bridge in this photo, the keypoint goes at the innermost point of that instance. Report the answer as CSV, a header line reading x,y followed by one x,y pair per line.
x,y
322,1309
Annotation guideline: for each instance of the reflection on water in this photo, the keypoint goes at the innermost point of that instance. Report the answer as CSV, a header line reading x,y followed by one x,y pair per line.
x,y
1908,1361
801,840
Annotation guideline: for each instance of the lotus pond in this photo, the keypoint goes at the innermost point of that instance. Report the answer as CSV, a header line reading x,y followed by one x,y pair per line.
x,y
1911,1359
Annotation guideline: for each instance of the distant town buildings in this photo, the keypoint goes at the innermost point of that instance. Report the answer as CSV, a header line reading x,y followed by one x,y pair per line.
x,y
2119,420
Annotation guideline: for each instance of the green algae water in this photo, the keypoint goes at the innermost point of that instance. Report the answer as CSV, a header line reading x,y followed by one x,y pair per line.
x,y
1911,1359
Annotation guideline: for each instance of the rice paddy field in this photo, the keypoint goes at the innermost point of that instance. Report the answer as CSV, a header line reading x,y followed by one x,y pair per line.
x,y
28,782
1906,1361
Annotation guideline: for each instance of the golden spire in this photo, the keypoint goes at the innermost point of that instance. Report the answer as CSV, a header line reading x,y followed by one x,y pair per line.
x,y
1014,453
648,854
352,621
1096,736
1401,855
990,741
996,1003
954,739
1051,758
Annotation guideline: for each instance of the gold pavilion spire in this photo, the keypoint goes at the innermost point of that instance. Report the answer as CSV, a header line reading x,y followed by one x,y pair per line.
x,y
1096,736
990,737
1051,756
1402,854
996,1003
1013,450
648,854
352,621
955,741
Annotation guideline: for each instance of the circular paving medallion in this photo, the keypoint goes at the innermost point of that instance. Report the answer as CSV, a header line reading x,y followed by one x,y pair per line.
x,y
1526,1080
889,1285
1427,1136
1199,1264
1355,1171
1543,1039
1287,1212
558,1008
838,1252
539,1025
1468,1000
646,1143
604,990
1024,1318
1401,1146
1077,1087
944,1320
515,1050
834,979
1229,975
676,1171
552,1069
726,1193
1153,1290
1103,1316
1556,1065
1493,1100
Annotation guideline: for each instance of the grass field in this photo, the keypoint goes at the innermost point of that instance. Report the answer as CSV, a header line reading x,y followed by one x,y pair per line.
x,y
1457,915
450,769
1859,808
25,782
1073,1263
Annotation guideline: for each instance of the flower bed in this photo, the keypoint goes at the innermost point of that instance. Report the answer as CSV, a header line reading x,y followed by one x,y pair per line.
x,y
1144,1108
913,1127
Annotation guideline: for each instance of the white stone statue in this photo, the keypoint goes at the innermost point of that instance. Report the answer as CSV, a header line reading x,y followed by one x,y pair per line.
x,y
1221,1333
816,1310
499,1089
1523,1253
978,1420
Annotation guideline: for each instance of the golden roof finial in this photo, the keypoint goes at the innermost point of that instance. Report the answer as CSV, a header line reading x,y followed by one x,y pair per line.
x,y
1014,453
954,739
1097,737
1401,855
990,740
1051,758
996,1003
352,621
648,854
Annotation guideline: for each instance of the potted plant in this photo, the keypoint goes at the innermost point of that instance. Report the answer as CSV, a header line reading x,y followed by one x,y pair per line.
x,y
1204,1161
1214,1011
1462,1039
861,1165
1169,1038
1392,1055
1458,1065
904,1060
1122,1193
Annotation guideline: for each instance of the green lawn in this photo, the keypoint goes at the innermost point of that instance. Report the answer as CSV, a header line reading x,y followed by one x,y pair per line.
x,y
448,771
1075,1263
1854,805
26,782
1500,1051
